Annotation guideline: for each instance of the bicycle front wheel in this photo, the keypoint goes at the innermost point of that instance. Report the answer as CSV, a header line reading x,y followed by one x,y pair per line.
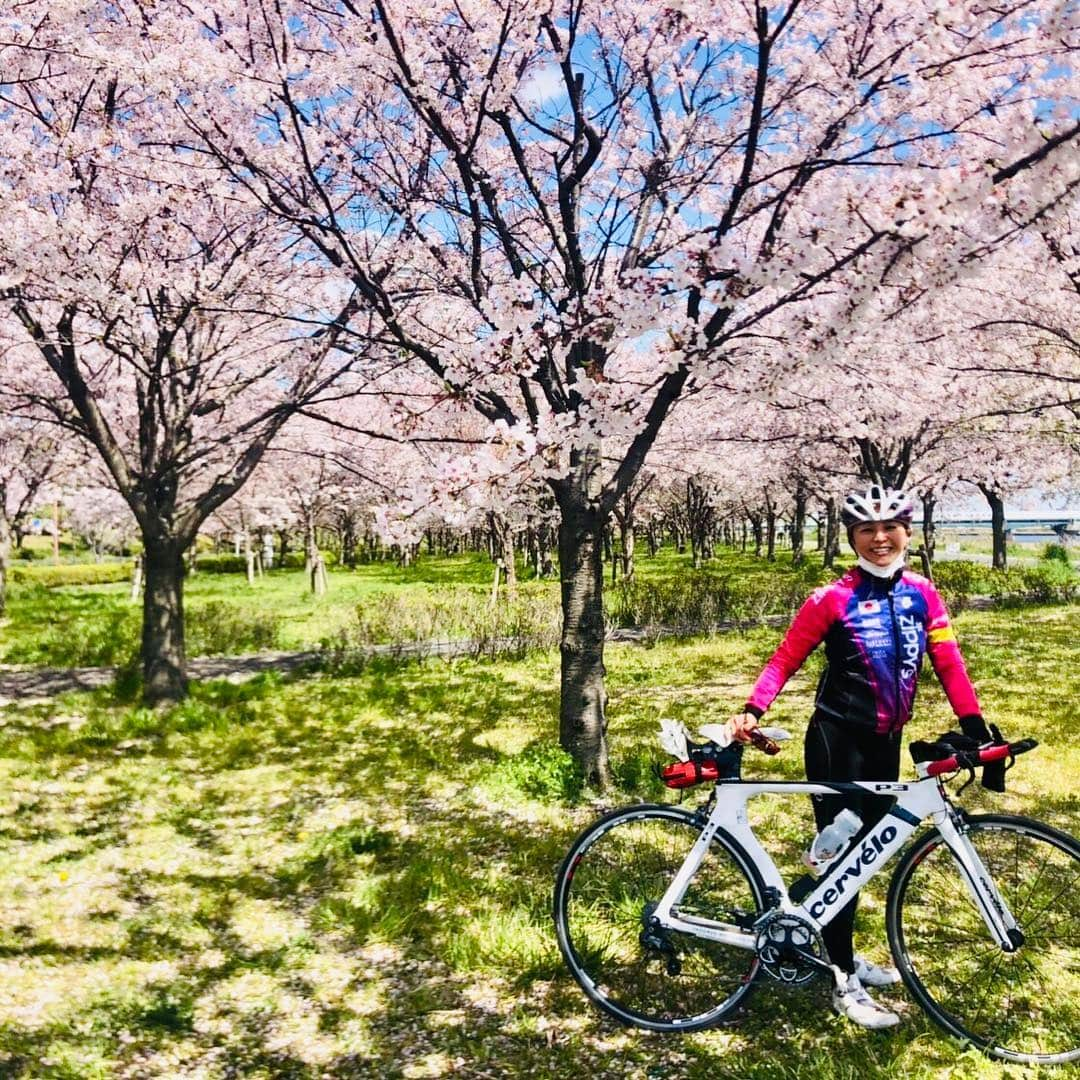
x,y
1022,1006
606,890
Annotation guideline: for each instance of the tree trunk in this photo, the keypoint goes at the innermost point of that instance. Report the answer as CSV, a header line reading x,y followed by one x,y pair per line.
x,y
929,527
798,525
627,531
832,533
163,660
543,541
653,538
997,524
759,535
249,558
582,720
136,579
502,536
5,554
317,574
348,542
770,530
311,548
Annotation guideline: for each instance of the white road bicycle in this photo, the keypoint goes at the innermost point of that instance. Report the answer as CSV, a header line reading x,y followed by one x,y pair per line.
x,y
667,916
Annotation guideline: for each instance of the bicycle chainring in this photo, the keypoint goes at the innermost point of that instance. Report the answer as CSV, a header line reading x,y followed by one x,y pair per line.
x,y
790,949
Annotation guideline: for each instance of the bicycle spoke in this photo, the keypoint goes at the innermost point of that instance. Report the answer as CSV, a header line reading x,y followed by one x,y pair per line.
x,y
601,905
1014,1004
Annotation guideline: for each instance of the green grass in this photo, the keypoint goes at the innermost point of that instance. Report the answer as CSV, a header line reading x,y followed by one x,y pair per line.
x,y
351,877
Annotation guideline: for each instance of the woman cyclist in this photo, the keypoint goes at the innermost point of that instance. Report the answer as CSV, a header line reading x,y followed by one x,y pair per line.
x,y
876,621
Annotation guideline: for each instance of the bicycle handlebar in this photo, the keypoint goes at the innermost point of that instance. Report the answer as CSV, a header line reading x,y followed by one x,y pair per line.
x,y
971,759
708,761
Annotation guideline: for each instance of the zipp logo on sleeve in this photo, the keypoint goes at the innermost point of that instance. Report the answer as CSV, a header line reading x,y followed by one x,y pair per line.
x,y
871,848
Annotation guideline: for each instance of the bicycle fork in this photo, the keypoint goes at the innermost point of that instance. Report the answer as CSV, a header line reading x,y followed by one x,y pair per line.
x,y
980,885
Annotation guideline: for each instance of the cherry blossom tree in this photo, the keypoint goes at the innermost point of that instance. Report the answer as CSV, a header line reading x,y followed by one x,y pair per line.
x,y
168,325
568,215
99,516
521,194
32,456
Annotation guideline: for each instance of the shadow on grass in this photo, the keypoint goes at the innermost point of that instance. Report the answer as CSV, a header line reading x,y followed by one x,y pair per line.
x,y
353,855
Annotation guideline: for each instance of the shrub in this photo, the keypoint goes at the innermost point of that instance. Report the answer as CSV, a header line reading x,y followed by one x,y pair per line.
x,y
1056,553
221,629
419,625
51,577
1050,582
296,560
220,564
228,563
702,600
544,770
110,638
635,772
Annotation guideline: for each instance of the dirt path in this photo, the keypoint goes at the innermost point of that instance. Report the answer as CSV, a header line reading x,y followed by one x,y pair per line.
x,y
28,685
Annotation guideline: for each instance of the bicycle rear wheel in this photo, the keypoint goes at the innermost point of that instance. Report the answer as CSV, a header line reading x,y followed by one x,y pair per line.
x,y
1022,1006
611,880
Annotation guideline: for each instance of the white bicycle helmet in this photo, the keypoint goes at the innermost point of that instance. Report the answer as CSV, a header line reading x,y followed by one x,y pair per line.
x,y
877,503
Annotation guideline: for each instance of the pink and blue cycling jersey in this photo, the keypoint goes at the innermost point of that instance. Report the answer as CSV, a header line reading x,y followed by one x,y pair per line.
x,y
875,633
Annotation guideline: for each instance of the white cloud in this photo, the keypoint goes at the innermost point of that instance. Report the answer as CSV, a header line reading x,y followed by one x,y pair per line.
x,y
541,86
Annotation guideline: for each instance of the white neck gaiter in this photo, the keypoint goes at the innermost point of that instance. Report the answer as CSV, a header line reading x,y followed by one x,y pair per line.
x,y
883,571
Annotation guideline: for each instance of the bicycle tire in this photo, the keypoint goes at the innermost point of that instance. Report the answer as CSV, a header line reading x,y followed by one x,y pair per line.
x,y
616,868
1022,1006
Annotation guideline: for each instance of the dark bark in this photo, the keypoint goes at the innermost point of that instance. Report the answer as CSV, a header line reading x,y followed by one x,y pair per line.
x,y
798,524
929,504
348,541
627,534
5,554
757,528
997,524
653,537
164,663
832,533
700,516
770,529
583,701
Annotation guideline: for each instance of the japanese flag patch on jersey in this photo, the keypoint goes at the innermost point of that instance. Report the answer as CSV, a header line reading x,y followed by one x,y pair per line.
x,y
869,607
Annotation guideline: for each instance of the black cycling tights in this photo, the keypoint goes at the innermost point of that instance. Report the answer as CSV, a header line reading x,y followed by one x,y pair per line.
x,y
837,752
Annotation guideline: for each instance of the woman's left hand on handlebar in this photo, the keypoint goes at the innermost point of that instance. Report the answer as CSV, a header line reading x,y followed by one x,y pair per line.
x,y
742,725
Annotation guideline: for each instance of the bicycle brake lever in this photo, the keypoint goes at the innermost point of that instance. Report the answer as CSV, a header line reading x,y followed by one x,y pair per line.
x,y
762,742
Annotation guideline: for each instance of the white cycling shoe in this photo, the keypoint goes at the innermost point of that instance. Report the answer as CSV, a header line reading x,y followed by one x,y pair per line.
x,y
852,1000
875,975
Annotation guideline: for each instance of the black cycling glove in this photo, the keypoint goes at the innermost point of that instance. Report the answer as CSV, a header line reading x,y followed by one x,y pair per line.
x,y
993,774
975,727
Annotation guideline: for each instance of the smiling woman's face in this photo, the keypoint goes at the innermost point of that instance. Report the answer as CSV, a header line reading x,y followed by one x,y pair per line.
x,y
880,542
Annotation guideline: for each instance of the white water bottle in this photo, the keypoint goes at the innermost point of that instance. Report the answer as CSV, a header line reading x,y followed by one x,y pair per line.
x,y
832,840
